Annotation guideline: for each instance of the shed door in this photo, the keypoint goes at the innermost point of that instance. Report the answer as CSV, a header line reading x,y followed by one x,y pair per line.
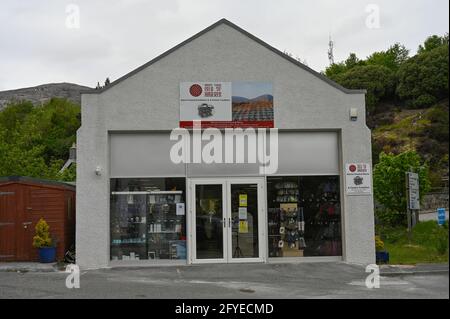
x,y
7,225
25,229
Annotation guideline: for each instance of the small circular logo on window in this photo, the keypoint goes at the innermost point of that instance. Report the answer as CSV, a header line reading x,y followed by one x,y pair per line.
x,y
352,168
195,90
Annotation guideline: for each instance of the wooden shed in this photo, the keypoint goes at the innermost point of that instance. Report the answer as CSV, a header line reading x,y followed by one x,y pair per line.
x,y
23,201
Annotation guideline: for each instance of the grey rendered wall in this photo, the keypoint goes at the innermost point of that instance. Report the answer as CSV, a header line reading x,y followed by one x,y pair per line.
x,y
148,100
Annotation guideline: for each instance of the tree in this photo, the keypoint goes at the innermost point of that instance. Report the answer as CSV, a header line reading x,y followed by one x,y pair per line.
x,y
107,82
389,184
35,142
13,115
432,43
423,79
334,70
353,61
379,82
392,58
52,126
18,160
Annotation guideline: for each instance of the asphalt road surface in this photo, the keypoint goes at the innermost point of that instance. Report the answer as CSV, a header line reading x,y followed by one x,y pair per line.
x,y
306,280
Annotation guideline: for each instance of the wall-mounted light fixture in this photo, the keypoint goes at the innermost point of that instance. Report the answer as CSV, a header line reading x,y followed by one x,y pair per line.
x,y
98,171
353,114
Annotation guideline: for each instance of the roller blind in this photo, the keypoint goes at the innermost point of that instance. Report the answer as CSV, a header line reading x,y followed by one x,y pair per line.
x,y
143,155
308,153
148,155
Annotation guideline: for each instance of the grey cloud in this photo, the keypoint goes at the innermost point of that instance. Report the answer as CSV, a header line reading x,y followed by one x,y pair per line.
x,y
119,35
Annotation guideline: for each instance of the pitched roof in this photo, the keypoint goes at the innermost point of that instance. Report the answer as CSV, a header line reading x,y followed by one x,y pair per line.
x,y
249,35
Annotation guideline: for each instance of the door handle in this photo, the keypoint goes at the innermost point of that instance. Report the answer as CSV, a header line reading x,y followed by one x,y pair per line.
x,y
229,222
224,223
25,225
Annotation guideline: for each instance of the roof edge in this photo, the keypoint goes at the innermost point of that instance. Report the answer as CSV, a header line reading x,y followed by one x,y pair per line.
x,y
249,35
36,181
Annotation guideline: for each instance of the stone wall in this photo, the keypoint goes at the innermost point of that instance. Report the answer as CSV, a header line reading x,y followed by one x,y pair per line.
x,y
434,200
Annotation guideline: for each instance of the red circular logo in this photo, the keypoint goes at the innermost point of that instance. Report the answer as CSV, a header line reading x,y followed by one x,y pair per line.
x,y
195,90
352,168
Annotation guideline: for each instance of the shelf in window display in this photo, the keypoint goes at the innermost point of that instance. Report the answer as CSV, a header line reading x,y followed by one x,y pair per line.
x,y
148,193
164,232
129,241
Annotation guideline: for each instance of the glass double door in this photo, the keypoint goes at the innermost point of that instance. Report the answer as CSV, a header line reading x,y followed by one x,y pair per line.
x,y
227,220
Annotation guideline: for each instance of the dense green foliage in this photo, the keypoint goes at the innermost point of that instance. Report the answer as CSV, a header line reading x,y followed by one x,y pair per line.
x,y
423,79
432,43
389,184
35,141
378,80
392,58
417,81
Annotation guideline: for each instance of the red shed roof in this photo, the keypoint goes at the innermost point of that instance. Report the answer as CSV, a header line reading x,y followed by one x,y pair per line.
x,y
36,181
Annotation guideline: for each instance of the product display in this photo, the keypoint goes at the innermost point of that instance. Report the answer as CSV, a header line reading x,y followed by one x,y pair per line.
x,y
286,217
304,216
164,226
147,223
128,236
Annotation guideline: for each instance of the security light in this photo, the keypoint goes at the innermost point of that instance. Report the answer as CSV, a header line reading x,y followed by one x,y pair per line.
x,y
353,114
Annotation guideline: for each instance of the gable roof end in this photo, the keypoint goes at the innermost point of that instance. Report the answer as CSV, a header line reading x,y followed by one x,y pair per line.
x,y
249,35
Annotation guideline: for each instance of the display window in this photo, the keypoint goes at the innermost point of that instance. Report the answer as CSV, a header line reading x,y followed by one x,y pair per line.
x,y
304,216
148,219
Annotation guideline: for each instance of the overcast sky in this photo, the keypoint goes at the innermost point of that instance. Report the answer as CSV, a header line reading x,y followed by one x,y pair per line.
x,y
116,36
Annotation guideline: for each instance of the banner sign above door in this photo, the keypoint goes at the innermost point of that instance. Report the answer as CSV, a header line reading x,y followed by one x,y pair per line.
x,y
226,104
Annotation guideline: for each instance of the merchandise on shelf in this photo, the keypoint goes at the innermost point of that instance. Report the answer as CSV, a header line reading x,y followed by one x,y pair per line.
x,y
147,224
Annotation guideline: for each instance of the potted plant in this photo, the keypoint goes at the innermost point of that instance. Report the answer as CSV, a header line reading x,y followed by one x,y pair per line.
x,y
382,256
44,243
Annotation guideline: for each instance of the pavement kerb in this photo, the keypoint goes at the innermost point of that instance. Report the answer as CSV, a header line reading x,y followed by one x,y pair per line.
x,y
411,273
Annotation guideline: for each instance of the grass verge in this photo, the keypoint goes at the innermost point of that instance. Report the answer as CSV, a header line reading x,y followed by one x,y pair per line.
x,y
429,243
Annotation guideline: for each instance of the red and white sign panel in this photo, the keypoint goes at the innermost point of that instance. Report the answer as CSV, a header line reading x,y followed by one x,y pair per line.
x,y
226,104
358,179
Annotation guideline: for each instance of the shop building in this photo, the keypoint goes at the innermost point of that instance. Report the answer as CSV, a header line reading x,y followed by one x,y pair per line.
x,y
137,203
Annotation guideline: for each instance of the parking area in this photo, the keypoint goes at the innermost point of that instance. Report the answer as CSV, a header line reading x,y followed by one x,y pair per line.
x,y
302,280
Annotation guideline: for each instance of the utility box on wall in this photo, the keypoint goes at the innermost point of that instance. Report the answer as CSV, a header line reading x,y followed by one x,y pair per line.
x,y
23,201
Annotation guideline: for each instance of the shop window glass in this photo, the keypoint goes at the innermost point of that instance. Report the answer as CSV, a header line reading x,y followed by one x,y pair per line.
x,y
304,217
148,219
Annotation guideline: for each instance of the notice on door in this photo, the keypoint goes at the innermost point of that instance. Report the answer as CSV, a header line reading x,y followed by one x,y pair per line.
x,y
243,213
243,200
243,227
358,179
